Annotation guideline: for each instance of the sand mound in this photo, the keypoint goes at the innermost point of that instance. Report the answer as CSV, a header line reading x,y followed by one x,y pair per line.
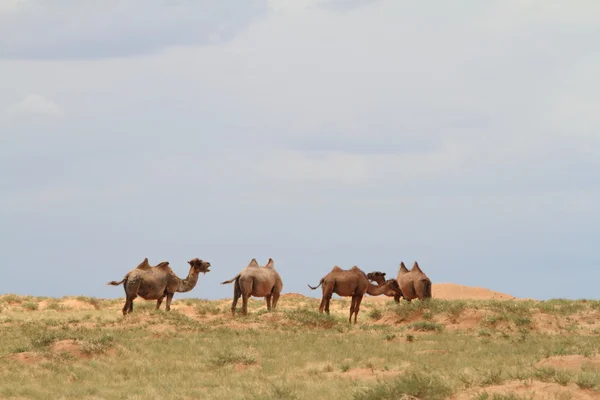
x,y
572,362
292,296
453,291
73,348
531,390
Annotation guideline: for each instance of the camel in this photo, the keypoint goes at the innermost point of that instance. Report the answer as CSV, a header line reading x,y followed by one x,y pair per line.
x,y
157,282
379,278
414,283
256,281
351,283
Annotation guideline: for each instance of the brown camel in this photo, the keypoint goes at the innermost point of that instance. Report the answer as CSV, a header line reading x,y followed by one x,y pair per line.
x,y
379,278
154,283
256,281
351,283
414,283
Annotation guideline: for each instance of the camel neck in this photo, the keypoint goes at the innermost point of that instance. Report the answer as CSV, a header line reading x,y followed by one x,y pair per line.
x,y
376,290
187,284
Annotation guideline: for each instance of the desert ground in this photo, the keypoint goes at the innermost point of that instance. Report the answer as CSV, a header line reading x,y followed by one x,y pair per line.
x,y
465,343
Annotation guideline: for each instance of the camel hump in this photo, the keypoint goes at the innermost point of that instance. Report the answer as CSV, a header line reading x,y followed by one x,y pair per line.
x,y
163,264
403,267
144,264
337,269
358,270
253,263
416,267
270,264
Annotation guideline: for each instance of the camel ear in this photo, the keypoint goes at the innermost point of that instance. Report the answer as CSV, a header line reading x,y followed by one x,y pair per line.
x,y
383,274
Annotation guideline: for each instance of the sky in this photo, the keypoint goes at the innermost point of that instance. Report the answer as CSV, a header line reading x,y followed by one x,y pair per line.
x,y
316,132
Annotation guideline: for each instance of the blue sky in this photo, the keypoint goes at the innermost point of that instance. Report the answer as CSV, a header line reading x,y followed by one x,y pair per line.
x,y
318,133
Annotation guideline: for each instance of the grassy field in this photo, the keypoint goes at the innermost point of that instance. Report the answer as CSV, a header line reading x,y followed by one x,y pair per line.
x,y
498,350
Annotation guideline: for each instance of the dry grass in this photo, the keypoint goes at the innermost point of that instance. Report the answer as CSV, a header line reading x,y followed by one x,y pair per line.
x,y
83,348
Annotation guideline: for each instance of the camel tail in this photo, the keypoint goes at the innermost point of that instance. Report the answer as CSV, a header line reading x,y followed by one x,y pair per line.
x,y
313,288
231,280
115,283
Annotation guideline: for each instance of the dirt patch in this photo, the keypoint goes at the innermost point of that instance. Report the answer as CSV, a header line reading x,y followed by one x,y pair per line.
x,y
571,362
468,320
71,347
75,304
241,325
242,367
185,309
531,390
432,351
27,357
363,374
161,328
292,296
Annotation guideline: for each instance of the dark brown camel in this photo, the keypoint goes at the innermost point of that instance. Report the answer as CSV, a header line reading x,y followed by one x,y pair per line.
x,y
414,283
350,283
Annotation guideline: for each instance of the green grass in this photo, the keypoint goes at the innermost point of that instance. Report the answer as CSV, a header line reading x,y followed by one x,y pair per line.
x,y
293,353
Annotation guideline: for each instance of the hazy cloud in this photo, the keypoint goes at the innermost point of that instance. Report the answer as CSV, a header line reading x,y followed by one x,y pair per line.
x,y
34,105
343,5
86,29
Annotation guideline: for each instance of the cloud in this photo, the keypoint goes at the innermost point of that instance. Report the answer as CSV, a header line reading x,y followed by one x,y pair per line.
x,y
463,137
86,29
9,5
34,105
343,5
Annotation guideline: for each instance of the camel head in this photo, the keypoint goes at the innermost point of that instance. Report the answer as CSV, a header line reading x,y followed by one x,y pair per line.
x,y
376,276
393,284
200,265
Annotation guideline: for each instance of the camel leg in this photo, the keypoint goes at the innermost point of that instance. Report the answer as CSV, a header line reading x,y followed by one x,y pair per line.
x,y
236,296
352,306
327,300
131,290
357,307
268,300
322,305
397,298
275,299
126,306
159,302
245,297
169,298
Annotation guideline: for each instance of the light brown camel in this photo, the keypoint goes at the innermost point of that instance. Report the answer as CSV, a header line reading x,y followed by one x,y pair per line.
x,y
158,282
414,283
350,283
379,278
256,281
